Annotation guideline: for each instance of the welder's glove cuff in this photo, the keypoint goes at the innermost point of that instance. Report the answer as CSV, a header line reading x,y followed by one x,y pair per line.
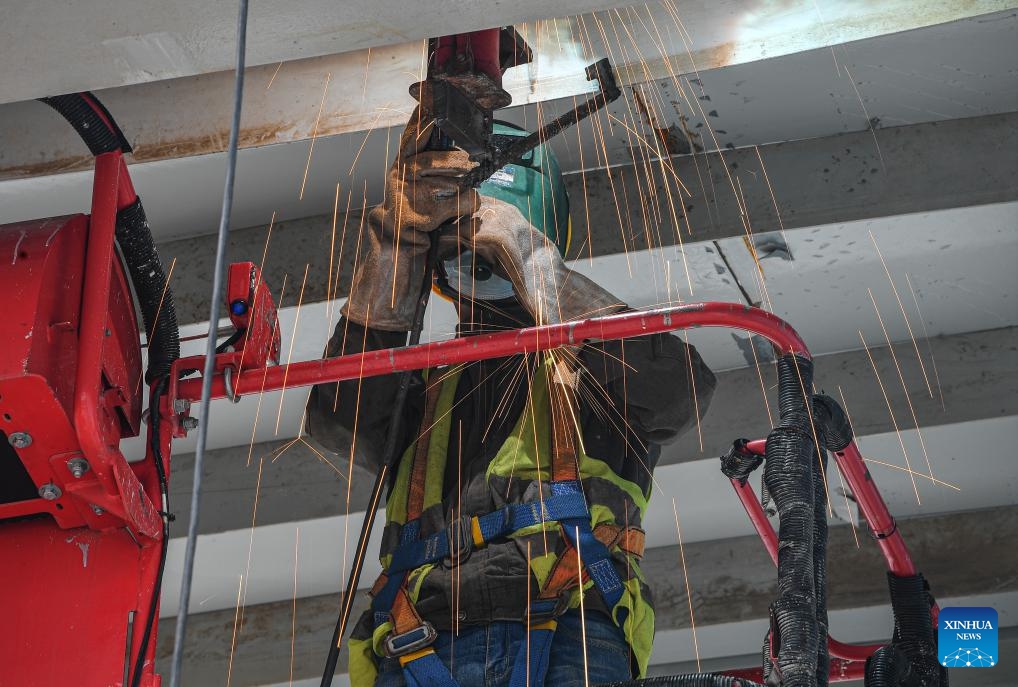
x,y
421,194
549,290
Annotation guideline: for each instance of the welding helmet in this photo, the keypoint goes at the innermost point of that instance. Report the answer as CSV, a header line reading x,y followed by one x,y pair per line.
x,y
536,188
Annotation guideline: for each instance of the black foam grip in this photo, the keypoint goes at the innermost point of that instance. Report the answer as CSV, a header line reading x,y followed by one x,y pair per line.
x,y
91,120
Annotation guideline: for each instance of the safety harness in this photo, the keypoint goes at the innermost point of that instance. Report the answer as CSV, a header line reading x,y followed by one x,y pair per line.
x,y
587,554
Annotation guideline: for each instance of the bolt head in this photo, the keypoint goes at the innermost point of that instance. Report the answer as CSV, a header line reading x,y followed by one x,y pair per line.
x,y
97,510
20,439
78,467
189,423
50,491
181,405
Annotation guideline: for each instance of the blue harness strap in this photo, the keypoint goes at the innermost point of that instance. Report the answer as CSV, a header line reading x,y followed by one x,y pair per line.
x,y
413,553
531,664
425,669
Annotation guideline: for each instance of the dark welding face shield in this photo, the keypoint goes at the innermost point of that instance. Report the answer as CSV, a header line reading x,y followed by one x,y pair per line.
x,y
536,188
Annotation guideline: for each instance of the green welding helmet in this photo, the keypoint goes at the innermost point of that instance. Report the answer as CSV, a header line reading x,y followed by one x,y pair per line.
x,y
536,188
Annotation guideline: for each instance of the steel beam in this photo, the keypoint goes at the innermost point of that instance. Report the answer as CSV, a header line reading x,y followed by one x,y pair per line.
x,y
924,167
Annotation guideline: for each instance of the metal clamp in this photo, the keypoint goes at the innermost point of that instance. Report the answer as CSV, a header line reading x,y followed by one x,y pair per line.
x,y
422,636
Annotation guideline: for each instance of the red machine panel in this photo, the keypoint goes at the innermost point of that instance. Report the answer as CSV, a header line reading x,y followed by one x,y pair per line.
x,y
41,463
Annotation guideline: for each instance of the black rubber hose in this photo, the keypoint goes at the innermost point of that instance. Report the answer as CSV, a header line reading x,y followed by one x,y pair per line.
x,y
788,475
888,667
154,296
691,680
820,501
913,628
832,423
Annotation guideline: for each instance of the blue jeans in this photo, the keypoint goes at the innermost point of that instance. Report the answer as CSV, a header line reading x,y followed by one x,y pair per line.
x,y
485,655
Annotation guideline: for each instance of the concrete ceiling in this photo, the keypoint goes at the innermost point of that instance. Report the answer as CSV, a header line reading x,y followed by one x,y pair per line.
x,y
926,285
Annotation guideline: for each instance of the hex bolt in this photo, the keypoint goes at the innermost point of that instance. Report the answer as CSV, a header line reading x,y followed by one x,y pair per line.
x,y
50,491
189,423
97,510
78,467
20,439
181,405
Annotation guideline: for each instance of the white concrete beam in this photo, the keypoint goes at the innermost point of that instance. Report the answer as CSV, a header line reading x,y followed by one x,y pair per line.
x,y
180,99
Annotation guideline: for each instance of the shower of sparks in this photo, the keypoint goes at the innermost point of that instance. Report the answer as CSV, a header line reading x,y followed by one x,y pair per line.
x,y
894,421
692,387
162,299
844,487
265,372
233,640
901,378
332,253
763,387
685,577
583,613
367,70
869,120
155,321
293,339
908,325
914,474
827,34
929,342
293,621
269,85
250,541
314,135
770,189
654,187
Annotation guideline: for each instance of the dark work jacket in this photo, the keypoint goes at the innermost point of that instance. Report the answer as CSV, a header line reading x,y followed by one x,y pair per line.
x,y
636,395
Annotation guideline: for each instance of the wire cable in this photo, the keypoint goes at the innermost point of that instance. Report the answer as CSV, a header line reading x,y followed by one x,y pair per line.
x,y
210,352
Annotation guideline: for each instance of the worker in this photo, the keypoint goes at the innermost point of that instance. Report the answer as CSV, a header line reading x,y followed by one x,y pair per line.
x,y
518,476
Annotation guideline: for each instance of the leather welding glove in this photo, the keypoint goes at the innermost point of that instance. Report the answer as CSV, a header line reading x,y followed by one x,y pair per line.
x,y
421,194
549,290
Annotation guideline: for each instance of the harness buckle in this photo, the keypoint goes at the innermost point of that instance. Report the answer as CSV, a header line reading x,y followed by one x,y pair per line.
x,y
420,637
543,610
461,542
